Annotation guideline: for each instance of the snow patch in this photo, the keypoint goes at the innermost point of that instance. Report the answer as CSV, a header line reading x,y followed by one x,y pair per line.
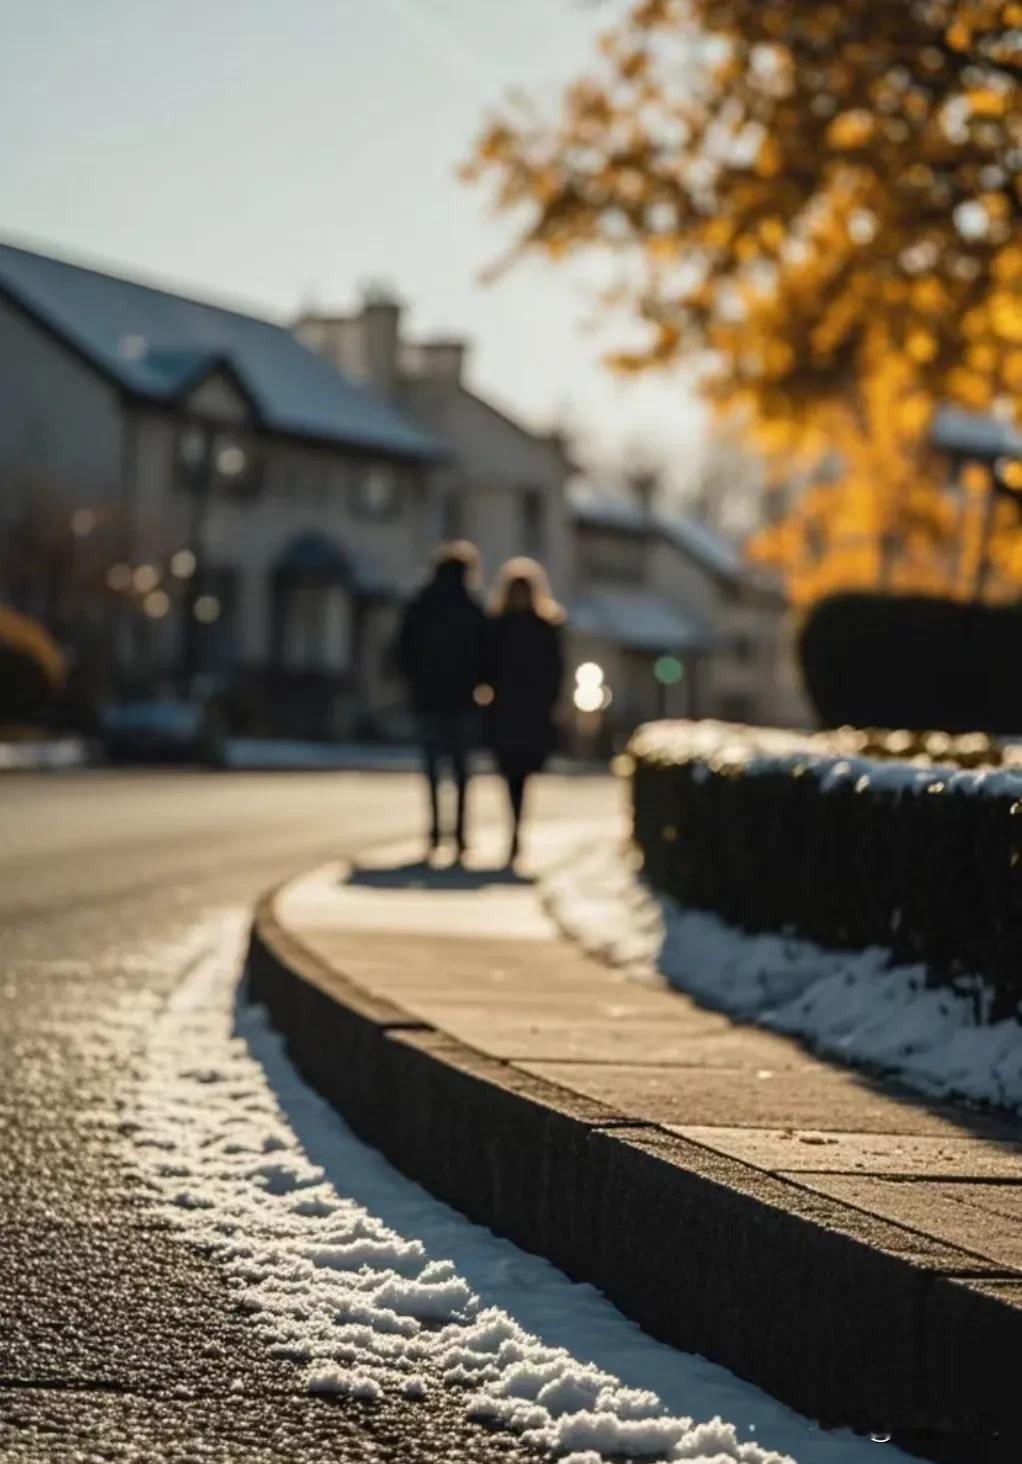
x,y
363,1311
854,1005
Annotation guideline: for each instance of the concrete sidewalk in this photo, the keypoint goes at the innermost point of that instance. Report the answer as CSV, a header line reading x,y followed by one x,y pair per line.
x,y
852,1248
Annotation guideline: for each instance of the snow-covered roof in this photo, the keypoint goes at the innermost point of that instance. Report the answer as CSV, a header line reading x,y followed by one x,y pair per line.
x,y
638,620
708,548
974,434
703,543
155,344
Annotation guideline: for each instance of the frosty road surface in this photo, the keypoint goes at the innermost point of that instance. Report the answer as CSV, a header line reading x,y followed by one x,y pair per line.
x,y
371,1287
193,1242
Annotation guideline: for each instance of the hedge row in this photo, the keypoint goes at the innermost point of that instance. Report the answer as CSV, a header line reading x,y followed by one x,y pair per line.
x,y
774,835
913,661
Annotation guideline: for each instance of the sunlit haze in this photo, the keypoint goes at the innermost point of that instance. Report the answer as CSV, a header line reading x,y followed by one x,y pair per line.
x,y
284,155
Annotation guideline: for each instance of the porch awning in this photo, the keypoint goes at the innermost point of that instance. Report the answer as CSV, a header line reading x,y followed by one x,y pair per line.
x,y
318,555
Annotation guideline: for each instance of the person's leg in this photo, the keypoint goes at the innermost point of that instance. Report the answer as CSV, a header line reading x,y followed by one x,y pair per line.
x,y
516,795
431,768
461,749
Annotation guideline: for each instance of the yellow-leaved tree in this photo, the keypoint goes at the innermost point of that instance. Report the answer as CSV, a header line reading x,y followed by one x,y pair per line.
x,y
820,204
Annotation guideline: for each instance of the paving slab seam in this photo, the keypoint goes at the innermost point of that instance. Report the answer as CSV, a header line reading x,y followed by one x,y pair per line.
x,y
851,1318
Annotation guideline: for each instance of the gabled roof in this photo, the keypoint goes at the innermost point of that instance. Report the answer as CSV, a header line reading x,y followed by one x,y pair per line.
x,y
709,549
155,345
639,620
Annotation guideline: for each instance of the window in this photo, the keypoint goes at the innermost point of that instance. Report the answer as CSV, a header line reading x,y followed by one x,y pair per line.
x,y
314,483
377,492
192,455
609,557
316,627
530,530
452,515
744,647
209,459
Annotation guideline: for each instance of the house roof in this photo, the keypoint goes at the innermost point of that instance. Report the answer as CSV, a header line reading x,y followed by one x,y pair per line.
x,y
708,548
638,620
974,434
155,345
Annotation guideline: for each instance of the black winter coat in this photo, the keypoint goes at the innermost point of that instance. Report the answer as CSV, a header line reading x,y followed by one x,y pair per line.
x,y
525,666
441,648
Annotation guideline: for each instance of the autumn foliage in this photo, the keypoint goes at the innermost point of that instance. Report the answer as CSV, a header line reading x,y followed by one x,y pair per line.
x,y
820,204
32,669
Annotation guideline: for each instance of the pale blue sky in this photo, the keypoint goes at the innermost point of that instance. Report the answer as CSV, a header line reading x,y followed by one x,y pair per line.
x,y
273,150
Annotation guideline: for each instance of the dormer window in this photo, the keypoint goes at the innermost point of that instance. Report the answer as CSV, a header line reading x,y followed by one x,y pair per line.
x,y
225,461
193,455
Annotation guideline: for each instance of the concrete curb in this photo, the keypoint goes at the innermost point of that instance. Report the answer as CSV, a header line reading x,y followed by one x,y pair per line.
x,y
850,1319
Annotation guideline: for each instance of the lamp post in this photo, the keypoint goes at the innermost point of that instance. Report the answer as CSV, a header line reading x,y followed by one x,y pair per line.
x,y
211,461
197,461
995,445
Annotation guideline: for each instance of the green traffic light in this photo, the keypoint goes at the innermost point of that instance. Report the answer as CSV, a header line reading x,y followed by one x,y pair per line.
x,y
668,670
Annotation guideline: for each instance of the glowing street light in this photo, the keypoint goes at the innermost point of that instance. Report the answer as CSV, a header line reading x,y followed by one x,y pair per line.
x,y
83,521
206,609
591,695
146,578
156,604
118,577
588,697
182,564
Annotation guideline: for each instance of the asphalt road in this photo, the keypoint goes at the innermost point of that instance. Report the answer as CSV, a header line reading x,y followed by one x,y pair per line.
x,y
117,1342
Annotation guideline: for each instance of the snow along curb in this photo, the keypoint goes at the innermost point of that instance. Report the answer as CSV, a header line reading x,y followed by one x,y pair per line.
x,y
844,1316
858,1007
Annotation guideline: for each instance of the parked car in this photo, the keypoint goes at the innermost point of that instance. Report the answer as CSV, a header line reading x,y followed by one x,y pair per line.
x,y
161,730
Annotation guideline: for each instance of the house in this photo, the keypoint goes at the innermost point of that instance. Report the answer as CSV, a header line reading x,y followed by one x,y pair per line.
x,y
258,514
663,606
500,485
246,504
677,622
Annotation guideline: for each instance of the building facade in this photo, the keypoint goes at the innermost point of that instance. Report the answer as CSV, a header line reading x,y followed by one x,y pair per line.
x,y
242,510
194,498
678,623
500,485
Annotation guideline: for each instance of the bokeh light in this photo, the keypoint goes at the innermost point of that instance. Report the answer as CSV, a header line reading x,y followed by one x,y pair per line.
x,y
668,670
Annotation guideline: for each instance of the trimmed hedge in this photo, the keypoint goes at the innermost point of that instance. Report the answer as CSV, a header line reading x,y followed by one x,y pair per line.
x,y
913,661
772,834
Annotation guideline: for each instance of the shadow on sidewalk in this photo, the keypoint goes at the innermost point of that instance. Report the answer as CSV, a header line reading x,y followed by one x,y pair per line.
x,y
418,875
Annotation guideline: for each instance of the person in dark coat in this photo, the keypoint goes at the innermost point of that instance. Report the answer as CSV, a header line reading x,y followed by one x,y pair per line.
x,y
525,667
440,652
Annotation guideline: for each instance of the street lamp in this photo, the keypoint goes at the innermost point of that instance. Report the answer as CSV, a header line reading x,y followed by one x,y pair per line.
x,y
209,460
